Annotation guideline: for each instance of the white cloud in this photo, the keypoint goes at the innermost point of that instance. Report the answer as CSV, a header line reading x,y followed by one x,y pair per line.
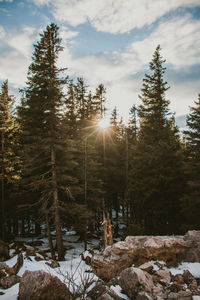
x,y
67,34
180,43
41,2
2,32
179,39
113,16
14,62
23,42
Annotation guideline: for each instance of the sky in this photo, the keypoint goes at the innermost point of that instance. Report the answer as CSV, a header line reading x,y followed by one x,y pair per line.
x,y
109,42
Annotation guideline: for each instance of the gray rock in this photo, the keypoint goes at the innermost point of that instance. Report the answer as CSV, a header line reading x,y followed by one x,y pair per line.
x,y
7,282
138,250
146,267
134,280
165,276
41,285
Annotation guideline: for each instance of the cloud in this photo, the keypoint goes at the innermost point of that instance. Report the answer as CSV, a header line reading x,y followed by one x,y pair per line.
x,y
122,71
113,16
179,39
2,32
41,2
6,0
19,47
15,60
66,34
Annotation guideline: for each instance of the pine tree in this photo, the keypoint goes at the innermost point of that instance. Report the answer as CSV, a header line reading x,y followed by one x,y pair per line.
x,y
43,145
10,164
191,199
156,179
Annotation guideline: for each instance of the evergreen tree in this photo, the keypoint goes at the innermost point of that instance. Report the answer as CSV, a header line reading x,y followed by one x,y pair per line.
x,y
156,180
191,199
10,164
43,144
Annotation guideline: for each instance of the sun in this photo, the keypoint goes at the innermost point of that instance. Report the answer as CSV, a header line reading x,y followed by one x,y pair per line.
x,y
104,123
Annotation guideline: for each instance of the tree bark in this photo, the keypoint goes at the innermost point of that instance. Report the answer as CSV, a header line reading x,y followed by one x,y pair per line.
x,y
59,241
49,236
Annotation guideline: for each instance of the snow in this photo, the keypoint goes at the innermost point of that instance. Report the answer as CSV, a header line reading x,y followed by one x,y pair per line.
x,y
118,291
194,269
74,267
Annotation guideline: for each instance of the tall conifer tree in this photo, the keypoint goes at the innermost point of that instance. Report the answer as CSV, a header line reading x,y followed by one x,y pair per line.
x,y
191,199
9,171
41,127
156,181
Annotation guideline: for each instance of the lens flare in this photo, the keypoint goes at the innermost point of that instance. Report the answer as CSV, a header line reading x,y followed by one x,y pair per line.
x,y
104,123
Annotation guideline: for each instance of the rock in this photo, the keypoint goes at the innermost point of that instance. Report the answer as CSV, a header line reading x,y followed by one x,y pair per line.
x,y
15,269
182,295
102,292
2,293
193,287
7,282
158,292
193,240
146,267
143,296
134,280
4,251
179,278
39,257
41,285
54,264
185,295
164,275
105,296
138,250
175,287
2,273
188,277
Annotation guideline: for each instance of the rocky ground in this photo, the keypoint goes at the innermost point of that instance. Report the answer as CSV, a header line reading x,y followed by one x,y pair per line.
x,y
141,268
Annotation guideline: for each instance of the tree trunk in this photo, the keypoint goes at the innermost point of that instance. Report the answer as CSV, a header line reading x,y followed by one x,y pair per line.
x,y
49,236
37,228
15,226
59,241
107,231
85,194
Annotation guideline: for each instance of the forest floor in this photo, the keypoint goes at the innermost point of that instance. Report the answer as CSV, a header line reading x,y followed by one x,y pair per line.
x,y
73,268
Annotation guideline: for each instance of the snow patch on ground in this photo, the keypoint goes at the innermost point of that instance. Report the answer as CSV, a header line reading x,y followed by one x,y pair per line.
x,y
194,269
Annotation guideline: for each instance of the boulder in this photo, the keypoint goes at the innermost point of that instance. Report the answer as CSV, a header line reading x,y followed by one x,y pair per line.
x,y
179,279
41,285
138,250
146,267
182,295
164,276
8,281
188,277
4,251
53,264
134,280
102,292
192,238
